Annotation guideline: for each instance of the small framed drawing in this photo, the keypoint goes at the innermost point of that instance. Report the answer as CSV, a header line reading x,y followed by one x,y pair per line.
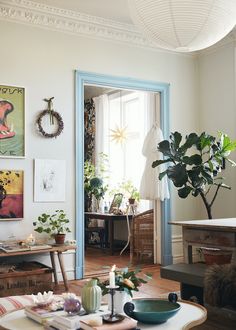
x,y
49,180
11,195
116,203
12,122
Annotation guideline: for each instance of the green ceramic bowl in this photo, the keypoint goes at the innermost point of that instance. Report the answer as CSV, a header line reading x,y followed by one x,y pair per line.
x,y
152,311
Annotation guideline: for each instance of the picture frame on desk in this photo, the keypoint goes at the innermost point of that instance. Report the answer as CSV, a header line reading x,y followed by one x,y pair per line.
x,y
116,202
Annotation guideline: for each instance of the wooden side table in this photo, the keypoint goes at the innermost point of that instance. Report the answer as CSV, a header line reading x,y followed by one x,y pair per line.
x,y
53,250
189,316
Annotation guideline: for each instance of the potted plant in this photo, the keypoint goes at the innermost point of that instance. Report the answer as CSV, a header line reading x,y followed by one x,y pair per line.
x,y
195,165
128,190
55,225
94,186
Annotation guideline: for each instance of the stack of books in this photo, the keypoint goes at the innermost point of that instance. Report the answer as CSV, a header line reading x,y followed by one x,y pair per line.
x,y
63,322
41,314
60,320
85,323
126,324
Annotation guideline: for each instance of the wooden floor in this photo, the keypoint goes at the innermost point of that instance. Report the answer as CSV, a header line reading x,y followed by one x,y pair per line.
x,y
99,264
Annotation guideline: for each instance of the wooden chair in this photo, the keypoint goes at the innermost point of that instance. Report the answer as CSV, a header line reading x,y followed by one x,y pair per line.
x,y
142,237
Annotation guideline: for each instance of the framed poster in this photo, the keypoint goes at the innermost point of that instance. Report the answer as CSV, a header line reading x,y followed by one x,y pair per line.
x,y
11,195
49,180
12,121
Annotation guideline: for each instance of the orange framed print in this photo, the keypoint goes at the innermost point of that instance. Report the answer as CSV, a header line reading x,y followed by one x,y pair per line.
x,y
12,122
11,195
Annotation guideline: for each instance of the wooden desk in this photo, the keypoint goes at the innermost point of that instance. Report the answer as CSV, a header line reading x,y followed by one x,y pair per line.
x,y
109,225
189,315
59,249
218,233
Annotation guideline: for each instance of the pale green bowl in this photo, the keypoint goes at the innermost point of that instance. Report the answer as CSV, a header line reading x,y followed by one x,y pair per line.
x,y
152,311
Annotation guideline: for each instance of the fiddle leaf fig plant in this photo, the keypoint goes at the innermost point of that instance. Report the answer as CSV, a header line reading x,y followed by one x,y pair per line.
x,y
195,164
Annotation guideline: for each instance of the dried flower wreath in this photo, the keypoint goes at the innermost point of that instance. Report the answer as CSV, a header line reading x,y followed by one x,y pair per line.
x,y
59,123
52,114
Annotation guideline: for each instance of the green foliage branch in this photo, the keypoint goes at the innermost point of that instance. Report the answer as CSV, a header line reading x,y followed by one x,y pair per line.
x,y
127,280
194,166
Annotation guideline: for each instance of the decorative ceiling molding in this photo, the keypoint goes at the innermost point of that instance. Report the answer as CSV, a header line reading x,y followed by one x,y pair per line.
x,y
73,22
58,19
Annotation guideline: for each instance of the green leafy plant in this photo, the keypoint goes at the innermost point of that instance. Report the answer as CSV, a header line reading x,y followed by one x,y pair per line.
x,y
126,280
52,224
94,179
128,189
195,165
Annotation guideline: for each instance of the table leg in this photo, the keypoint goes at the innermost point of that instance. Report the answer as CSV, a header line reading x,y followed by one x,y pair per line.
x,y
52,256
61,262
188,253
111,235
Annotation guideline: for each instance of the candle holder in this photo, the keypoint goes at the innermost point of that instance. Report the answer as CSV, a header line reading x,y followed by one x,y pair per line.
x,y
113,317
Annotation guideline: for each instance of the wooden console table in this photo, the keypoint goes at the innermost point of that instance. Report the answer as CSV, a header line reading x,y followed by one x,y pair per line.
x,y
217,233
53,250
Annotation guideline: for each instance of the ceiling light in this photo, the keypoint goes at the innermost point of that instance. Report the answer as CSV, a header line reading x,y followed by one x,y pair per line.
x,y
184,25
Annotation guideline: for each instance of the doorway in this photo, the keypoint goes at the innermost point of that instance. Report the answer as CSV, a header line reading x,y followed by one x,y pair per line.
x,y
109,82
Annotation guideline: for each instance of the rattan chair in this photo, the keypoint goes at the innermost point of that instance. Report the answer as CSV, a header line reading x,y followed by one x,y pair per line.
x,y
142,237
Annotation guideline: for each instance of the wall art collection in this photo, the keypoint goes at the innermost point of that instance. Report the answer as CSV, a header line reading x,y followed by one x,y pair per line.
x,y
49,175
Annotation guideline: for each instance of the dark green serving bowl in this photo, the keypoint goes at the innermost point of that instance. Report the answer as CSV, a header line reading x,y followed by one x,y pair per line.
x,y
152,311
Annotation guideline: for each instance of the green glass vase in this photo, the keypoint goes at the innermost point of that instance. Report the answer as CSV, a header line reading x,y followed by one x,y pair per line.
x,y
91,296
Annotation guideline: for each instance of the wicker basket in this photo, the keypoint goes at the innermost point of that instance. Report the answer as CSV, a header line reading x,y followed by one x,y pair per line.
x,y
142,237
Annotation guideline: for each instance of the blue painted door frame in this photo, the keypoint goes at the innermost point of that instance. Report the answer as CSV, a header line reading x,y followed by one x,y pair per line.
x,y
83,78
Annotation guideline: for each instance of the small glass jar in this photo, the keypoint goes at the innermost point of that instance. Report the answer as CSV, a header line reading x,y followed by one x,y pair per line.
x,y
72,306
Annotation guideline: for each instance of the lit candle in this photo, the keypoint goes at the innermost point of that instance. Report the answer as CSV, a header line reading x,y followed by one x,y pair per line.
x,y
112,283
30,240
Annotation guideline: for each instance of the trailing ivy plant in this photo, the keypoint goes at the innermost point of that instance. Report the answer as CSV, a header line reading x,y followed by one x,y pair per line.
x,y
194,165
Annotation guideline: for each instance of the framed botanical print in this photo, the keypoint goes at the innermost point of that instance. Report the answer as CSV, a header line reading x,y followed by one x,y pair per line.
x,y
11,195
12,122
49,180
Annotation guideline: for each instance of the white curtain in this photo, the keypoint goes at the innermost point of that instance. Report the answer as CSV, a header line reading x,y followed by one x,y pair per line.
x,y
151,188
101,128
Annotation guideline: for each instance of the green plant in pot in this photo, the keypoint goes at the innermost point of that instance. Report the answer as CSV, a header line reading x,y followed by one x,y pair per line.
x,y
56,225
94,186
129,191
194,165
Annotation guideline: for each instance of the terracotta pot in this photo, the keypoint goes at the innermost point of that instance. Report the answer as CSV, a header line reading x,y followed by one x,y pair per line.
x,y
131,201
216,256
59,238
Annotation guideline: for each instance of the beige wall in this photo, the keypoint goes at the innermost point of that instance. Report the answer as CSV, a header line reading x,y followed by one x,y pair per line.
x,y
43,62
217,112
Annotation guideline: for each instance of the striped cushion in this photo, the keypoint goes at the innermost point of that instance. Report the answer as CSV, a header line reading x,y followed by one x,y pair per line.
x,y
9,304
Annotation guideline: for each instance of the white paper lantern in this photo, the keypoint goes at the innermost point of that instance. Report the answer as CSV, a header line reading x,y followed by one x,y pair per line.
x,y
184,25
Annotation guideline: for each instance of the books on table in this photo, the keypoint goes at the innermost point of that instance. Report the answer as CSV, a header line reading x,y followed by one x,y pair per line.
x,y
86,323
39,247
126,324
14,247
60,320
41,314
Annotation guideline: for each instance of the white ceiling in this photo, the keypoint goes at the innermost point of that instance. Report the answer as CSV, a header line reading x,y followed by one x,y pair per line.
x,y
110,9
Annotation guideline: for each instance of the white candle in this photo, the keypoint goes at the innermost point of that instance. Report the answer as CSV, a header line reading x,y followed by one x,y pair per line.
x,y
112,283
